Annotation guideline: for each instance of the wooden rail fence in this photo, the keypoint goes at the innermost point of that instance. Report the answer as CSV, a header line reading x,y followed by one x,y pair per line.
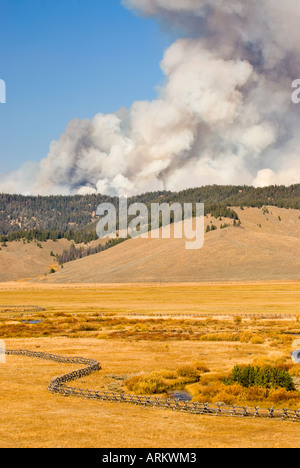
x,y
58,385
252,316
21,308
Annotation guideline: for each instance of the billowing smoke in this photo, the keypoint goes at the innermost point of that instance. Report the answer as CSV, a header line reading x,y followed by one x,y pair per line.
x,y
223,116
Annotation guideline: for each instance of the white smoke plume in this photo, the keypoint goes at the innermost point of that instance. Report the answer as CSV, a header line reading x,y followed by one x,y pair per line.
x,y
223,116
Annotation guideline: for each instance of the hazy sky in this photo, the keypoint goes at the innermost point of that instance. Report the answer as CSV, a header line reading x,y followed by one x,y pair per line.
x,y
66,59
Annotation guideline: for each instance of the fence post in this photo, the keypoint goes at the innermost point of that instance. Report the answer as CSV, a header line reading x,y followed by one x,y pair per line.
x,y
271,413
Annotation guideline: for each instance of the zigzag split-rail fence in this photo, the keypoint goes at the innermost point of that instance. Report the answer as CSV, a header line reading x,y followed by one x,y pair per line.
x,y
58,385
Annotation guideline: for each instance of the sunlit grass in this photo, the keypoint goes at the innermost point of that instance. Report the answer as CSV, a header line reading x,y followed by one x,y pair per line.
x,y
97,322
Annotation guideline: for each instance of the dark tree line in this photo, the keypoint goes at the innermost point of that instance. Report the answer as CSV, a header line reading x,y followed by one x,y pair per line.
x,y
73,217
74,253
79,237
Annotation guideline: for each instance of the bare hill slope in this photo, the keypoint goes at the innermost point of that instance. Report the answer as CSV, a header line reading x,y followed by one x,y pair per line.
x,y
20,260
265,247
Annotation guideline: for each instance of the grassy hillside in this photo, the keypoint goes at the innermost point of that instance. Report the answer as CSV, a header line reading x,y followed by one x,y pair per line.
x,y
22,260
264,247
37,233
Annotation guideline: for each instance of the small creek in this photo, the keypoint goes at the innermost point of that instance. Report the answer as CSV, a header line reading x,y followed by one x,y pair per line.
x,y
182,396
32,322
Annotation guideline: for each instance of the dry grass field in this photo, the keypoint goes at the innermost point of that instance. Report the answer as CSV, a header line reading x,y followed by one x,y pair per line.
x,y
121,299
32,417
97,321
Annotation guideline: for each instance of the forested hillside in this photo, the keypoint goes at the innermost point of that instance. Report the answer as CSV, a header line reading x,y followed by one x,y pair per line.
x,y
74,217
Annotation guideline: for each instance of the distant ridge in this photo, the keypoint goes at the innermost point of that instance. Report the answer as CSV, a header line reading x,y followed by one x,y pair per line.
x,y
75,213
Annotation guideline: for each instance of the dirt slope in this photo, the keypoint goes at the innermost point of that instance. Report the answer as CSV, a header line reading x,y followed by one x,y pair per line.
x,y
265,247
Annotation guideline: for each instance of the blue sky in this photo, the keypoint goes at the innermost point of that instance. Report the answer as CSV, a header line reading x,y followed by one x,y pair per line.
x,y
65,59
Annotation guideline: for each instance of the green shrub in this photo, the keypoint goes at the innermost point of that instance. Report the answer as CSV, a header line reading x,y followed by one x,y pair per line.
x,y
265,377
